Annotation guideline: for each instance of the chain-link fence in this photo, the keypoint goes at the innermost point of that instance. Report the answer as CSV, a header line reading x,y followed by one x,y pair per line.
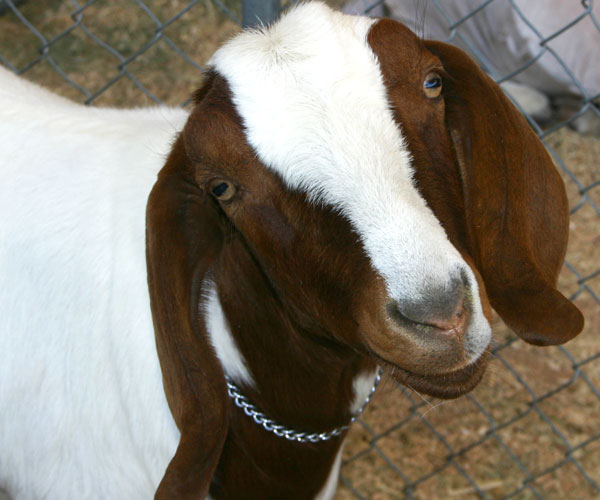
x,y
532,427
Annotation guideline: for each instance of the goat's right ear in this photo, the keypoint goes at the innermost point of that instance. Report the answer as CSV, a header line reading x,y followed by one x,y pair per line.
x,y
516,209
182,239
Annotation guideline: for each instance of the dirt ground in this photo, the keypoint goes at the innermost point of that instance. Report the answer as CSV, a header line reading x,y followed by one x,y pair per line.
x,y
490,444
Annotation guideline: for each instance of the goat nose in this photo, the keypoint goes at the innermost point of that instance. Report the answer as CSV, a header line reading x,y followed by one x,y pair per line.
x,y
443,310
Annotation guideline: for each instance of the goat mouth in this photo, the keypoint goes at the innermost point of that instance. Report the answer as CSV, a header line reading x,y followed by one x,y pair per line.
x,y
448,385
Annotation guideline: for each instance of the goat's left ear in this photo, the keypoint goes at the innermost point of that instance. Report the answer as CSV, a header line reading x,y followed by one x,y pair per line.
x,y
182,240
516,208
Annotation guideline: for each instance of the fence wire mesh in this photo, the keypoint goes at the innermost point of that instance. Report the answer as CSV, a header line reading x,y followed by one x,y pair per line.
x,y
532,427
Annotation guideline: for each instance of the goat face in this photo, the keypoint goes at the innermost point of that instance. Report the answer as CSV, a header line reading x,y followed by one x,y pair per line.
x,y
351,250
345,177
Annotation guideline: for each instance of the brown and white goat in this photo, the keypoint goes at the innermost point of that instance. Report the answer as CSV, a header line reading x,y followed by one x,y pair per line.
x,y
343,195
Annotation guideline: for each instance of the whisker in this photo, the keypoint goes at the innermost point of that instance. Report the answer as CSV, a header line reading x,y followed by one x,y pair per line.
x,y
433,407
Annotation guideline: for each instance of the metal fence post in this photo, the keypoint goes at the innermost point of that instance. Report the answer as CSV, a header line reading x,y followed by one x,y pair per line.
x,y
259,11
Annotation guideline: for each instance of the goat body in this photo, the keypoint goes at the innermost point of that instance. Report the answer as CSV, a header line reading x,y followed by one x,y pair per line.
x,y
79,357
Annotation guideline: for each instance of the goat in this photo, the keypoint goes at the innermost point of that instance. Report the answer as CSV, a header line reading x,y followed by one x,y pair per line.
x,y
331,204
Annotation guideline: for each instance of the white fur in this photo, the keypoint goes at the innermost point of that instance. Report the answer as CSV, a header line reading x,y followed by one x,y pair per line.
x,y
83,408
362,385
328,490
229,355
311,95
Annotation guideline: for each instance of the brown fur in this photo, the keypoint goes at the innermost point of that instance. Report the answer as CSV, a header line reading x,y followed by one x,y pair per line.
x,y
297,288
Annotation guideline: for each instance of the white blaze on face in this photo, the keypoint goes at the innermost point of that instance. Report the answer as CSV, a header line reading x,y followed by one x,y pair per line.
x,y
311,95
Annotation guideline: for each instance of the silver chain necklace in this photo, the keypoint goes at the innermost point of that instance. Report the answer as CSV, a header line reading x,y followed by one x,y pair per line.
x,y
271,425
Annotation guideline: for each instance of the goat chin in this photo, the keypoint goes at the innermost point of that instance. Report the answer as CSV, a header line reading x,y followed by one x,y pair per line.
x,y
449,385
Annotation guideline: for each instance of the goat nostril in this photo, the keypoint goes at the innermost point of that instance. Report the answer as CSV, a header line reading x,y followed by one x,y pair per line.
x,y
444,313
454,325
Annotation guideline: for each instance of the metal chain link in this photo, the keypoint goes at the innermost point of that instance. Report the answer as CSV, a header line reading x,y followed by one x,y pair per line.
x,y
280,430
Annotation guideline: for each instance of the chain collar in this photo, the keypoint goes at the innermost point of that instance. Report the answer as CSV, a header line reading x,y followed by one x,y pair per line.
x,y
271,425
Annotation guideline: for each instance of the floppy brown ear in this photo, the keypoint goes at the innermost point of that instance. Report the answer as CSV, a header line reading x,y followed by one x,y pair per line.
x,y
182,238
516,207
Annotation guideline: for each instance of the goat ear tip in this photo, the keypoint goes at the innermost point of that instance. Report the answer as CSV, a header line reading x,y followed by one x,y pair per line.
x,y
545,318
543,339
558,328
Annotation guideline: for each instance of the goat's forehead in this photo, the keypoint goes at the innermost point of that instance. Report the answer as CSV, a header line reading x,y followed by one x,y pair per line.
x,y
311,96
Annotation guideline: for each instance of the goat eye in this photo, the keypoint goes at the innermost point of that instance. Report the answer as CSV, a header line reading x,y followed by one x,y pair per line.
x,y
432,85
223,190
